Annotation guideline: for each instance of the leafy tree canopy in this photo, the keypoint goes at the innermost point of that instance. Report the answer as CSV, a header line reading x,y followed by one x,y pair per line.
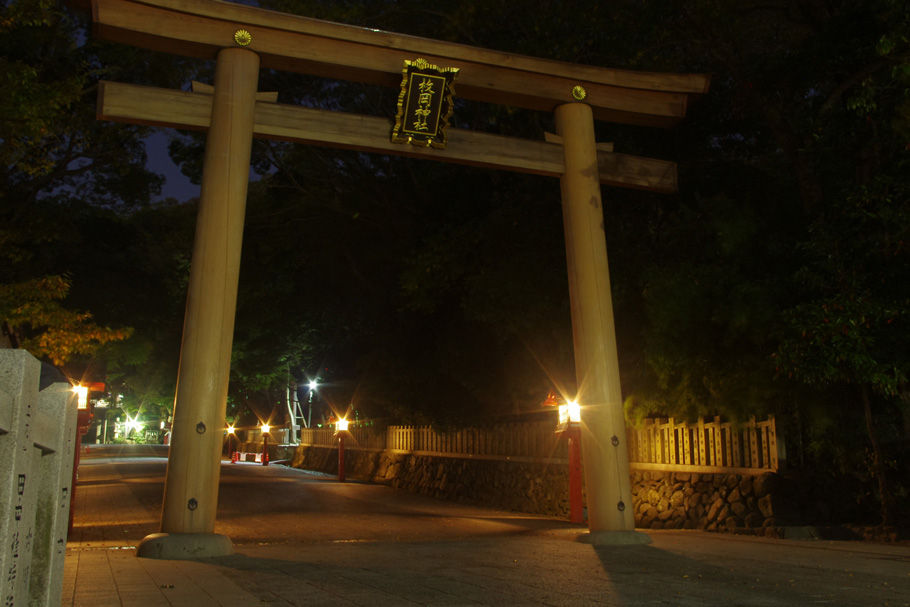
x,y
34,319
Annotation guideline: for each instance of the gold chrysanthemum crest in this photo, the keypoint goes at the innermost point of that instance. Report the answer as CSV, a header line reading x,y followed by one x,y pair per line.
x,y
243,37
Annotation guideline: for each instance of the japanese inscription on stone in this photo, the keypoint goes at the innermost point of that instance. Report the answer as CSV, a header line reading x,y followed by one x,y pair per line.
x,y
425,104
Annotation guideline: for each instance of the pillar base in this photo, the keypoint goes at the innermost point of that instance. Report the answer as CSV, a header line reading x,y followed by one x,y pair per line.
x,y
617,538
184,546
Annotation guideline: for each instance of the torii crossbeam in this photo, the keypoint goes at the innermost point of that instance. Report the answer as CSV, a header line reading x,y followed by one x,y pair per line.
x,y
233,113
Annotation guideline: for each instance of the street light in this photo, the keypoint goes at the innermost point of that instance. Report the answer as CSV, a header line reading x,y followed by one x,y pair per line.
x,y
341,429
265,444
83,419
570,425
313,384
569,413
133,424
81,397
230,434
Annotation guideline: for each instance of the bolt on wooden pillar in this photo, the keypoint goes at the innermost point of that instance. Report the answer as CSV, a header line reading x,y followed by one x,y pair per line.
x,y
191,488
604,449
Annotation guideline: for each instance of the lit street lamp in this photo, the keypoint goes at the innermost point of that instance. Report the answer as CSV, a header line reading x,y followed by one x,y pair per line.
x,y
133,425
570,425
312,385
81,397
83,419
230,438
265,444
341,429
572,415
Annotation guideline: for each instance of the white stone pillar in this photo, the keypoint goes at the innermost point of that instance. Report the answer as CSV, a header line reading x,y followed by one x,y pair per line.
x,y
56,439
19,377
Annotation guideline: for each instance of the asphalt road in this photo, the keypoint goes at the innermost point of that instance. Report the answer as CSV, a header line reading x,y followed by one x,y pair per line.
x,y
305,539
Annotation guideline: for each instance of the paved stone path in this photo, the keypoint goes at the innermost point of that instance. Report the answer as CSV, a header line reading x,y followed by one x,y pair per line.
x,y
305,539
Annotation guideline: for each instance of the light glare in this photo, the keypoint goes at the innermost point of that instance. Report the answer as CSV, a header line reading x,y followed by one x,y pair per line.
x,y
133,423
341,425
574,411
81,396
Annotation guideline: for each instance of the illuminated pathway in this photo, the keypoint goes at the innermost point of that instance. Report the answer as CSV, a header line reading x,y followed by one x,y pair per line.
x,y
305,539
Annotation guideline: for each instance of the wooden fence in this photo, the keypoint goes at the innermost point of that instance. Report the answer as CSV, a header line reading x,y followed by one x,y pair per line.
x,y
659,444
669,444
536,440
519,440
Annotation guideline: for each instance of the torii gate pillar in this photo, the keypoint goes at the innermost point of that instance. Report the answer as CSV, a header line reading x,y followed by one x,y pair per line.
x,y
604,449
193,470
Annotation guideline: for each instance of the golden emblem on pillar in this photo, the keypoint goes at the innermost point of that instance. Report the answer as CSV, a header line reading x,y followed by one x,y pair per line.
x,y
425,104
243,37
579,93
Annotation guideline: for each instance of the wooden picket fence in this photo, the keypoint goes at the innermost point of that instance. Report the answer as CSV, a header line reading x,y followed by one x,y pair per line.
x,y
667,444
367,437
535,440
518,440
659,444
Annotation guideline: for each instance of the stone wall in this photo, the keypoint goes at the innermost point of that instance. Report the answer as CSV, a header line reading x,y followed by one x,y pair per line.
x,y
662,500
523,486
716,502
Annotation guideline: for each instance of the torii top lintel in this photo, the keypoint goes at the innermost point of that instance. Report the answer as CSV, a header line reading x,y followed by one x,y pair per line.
x,y
200,28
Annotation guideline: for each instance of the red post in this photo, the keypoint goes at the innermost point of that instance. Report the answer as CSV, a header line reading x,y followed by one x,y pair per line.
x,y
341,457
83,419
575,508
265,449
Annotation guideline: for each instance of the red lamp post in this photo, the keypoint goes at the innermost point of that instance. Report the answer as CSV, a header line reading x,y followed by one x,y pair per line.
x,y
230,438
573,435
265,444
570,425
341,429
83,419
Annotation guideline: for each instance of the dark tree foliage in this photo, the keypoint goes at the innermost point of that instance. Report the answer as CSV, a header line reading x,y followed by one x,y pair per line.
x,y
70,186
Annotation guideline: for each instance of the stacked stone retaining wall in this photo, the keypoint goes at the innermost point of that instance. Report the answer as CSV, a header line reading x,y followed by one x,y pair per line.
x,y
716,502
735,502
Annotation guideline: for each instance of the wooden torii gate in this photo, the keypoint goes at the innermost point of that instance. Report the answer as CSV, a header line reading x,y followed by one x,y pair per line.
x,y
242,39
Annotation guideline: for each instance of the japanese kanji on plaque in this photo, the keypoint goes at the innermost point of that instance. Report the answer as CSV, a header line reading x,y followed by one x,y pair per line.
x,y
425,104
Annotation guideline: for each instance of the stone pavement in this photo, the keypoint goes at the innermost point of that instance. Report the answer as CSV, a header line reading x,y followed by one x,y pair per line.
x,y
304,539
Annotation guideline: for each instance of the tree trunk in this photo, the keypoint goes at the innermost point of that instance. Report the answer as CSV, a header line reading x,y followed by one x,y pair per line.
x,y
878,467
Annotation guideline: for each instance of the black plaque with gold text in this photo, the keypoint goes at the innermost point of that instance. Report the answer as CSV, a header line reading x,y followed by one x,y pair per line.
x,y
425,104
